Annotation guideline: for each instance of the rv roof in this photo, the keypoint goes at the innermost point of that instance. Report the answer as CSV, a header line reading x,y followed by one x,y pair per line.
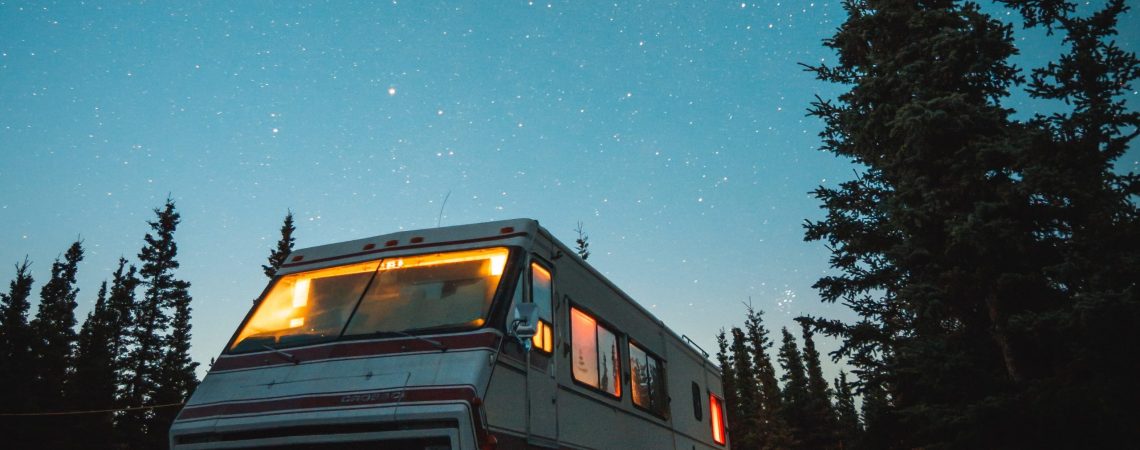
x,y
311,257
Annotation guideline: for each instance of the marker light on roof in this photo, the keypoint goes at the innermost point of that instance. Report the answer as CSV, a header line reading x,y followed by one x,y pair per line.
x,y
505,230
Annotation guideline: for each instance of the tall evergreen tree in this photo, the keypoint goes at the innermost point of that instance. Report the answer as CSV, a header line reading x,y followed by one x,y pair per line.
x,y
796,407
744,414
773,431
95,380
1087,209
847,417
822,429
284,246
16,373
54,345
54,328
160,368
982,253
582,244
121,306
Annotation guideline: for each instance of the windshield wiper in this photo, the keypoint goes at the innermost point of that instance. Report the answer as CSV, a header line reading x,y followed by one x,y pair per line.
x,y
434,343
289,357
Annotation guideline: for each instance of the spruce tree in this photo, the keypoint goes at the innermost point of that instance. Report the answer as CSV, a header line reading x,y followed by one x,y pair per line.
x,y
929,240
822,426
95,380
744,415
54,346
773,431
1087,209
847,417
582,244
796,408
17,372
54,328
121,306
160,368
284,246
992,262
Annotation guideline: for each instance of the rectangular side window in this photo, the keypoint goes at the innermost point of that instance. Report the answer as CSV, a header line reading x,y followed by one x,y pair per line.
x,y
716,416
542,294
596,361
647,381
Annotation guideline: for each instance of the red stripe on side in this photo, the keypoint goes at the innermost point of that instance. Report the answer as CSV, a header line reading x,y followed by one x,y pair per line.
x,y
356,349
339,401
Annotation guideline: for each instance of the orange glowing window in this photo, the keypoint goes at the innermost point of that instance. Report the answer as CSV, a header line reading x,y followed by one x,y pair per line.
x,y
716,413
542,294
543,340
305,307
596,361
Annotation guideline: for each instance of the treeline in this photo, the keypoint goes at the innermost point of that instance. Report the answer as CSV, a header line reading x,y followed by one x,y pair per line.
x,y
993,261
121,379
797,409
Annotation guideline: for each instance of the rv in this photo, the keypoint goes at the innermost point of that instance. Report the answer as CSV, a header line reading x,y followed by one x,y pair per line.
x,y
485,336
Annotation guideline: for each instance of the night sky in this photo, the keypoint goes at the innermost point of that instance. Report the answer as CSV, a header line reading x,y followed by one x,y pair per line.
x,y
676,132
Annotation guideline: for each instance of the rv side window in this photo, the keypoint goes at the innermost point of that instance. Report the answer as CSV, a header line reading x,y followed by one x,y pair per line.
x,y
697,401
647,381
716,411
542,294
596,360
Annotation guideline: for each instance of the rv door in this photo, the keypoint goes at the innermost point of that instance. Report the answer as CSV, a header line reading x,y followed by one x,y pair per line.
x,y
542,386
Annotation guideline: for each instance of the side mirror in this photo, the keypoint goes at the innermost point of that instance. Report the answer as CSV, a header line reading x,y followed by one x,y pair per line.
x,y
525,325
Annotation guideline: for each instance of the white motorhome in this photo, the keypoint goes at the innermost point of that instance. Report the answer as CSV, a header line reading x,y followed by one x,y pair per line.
x,y
485,336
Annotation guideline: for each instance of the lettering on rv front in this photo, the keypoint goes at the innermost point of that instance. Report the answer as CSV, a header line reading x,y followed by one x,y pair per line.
x,y
373,397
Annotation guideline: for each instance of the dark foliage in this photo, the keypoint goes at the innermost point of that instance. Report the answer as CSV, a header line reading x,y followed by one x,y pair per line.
x,y
17,373
993,263
284,246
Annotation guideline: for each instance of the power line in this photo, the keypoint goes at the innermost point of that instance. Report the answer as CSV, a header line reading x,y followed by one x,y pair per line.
x,y
95,411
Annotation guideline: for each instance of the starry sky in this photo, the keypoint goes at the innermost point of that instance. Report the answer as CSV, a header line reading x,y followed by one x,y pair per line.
x,y
674,131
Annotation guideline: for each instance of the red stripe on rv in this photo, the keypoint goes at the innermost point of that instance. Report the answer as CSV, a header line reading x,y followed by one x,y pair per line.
x,y
336,401
357,349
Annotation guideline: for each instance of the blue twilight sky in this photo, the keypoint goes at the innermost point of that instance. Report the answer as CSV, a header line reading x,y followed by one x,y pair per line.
x,y
675,131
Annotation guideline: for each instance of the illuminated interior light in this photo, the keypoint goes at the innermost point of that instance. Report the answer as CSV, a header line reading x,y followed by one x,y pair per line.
x,y
497,264
493,255
296,322
301,293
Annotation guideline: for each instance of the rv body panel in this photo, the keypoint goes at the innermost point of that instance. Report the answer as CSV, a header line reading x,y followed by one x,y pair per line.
x,y
464,388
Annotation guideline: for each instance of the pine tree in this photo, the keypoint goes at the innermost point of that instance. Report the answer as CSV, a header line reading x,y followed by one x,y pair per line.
x,y
1087,209
796,407
992,262
822,426
53,345
121,305
928,239
773,431
54,328
284,246
16,373
846,415
744,414
160,368
95,381
582,244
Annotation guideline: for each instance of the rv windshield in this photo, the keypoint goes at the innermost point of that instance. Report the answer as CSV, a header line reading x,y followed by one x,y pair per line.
x,y
395,295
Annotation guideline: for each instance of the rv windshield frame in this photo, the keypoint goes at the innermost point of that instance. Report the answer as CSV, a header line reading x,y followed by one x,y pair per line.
x,y
360,278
